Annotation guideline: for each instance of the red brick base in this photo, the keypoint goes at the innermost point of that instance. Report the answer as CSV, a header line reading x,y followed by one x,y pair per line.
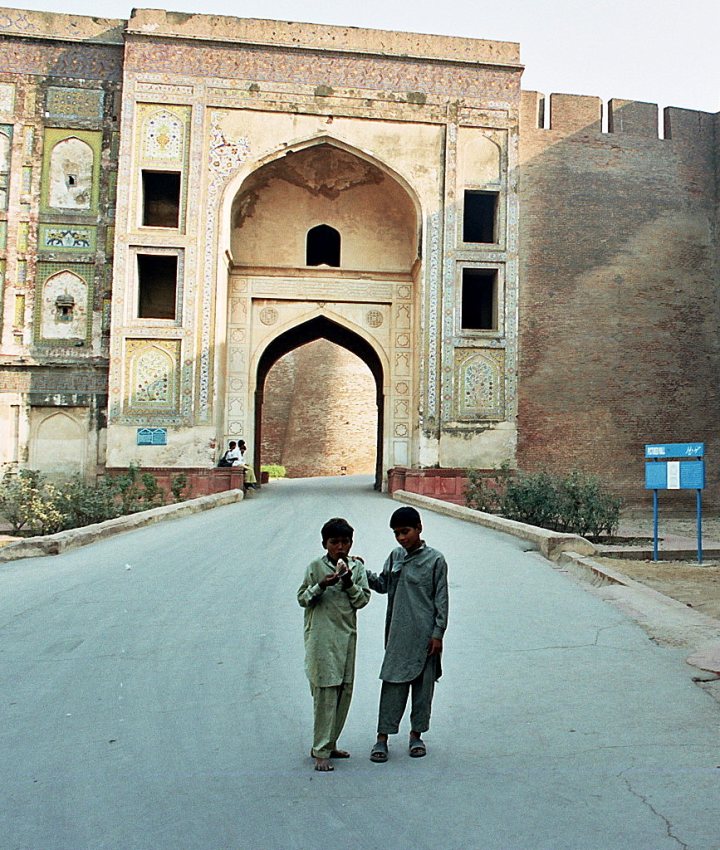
x,y
446,484
201,482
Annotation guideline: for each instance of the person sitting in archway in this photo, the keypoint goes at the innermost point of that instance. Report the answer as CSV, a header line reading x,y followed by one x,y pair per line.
x,y
231,456
250,479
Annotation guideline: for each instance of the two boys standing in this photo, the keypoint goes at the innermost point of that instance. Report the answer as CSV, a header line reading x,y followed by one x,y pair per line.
x,y
335,587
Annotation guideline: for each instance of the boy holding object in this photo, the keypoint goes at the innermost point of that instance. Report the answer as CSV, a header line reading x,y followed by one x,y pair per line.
x,y
334,588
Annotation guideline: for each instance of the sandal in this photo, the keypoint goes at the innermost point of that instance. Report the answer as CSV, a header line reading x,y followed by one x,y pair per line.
x,y
379,752
417,748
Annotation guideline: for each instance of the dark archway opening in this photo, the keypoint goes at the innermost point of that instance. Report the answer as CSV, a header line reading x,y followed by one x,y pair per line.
x,y
315,329
323,246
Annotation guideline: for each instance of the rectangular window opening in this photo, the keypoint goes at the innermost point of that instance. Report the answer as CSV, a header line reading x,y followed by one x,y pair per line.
x,y
480,217
479,300
157,286
161,198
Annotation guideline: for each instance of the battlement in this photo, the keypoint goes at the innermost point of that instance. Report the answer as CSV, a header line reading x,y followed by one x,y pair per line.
x,y
575,113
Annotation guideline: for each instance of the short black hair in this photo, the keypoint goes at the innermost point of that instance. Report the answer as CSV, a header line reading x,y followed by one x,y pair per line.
x,y
405,516
336,527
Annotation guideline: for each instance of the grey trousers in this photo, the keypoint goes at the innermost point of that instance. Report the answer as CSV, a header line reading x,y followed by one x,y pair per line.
x,y
393,699
330,709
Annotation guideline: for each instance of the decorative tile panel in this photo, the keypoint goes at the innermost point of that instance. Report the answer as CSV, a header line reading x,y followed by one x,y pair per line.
x,y
152,376
67,238
28,142
7,98
73,104
480,384
23,233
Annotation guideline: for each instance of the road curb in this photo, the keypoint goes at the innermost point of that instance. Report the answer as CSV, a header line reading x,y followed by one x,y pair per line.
x,y
573,551
54,544
551,543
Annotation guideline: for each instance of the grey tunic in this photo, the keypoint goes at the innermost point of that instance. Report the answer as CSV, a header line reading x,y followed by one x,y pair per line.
x,y
417,609
331,622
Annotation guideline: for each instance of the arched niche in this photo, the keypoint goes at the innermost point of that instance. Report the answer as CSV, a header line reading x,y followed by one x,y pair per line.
x,y
64,307
71,171
322,246
479,161
58,447
323,184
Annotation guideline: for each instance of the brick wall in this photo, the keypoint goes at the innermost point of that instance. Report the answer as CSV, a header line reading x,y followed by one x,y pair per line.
x,y
619,313
319,413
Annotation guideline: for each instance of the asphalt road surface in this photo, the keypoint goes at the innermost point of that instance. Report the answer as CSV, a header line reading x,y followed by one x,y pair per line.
x,y
153,698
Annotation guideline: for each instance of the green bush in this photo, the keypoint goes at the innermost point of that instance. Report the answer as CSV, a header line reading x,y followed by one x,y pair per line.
x,y
28,502
575,504
137,491
484,492
274,470
86,504
177,485
35,506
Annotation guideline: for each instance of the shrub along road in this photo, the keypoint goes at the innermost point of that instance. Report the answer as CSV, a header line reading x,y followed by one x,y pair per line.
x,y
154,698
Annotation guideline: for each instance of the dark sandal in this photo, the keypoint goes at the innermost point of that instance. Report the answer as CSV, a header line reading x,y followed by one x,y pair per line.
x,y
379,752
335,754
417,748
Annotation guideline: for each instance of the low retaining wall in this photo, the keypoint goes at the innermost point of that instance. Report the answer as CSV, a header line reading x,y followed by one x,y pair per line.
x,y
550,543
54,544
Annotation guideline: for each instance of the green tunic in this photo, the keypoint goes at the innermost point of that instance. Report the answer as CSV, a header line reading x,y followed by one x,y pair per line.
x,y
417,609
331,622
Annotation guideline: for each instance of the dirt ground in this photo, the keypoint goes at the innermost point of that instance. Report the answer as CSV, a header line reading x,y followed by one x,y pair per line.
x,y
696,585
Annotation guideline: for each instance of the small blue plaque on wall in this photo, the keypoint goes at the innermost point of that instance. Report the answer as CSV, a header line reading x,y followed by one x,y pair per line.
x,y
152,436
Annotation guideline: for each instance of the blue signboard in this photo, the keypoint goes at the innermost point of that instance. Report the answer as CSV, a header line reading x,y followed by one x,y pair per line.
x,y
675,475
675,466
152,436
662,451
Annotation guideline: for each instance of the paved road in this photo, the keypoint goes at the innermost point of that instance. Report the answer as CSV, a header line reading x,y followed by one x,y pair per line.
x,y
153,698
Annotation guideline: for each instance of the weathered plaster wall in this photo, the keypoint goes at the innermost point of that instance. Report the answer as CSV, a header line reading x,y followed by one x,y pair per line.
x,y
59,106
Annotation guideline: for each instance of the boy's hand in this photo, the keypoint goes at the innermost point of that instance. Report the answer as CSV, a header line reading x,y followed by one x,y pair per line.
x,y
434,647
326,581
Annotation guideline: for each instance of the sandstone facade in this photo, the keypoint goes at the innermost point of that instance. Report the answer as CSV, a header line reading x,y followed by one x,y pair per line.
x,y
351,248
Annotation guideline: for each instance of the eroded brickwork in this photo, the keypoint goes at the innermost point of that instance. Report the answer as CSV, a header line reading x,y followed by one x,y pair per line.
x,y
619,311
320,417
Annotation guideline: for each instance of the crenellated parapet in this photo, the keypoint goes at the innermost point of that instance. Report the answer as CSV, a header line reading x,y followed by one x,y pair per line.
x,y
573,113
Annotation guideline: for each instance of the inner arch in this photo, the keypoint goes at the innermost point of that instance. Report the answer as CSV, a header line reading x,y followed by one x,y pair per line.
x,y
315,329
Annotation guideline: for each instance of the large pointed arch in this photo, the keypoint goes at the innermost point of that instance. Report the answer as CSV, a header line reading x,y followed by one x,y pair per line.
x,y
320,327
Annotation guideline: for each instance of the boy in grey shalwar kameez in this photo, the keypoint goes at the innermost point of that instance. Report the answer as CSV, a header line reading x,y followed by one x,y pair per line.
x,y
414,578
333,589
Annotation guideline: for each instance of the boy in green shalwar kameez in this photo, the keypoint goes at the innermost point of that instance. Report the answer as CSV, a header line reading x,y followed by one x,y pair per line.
x,y
334,588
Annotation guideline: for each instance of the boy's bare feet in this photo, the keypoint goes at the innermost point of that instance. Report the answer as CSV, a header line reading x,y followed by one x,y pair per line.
x,y
323,765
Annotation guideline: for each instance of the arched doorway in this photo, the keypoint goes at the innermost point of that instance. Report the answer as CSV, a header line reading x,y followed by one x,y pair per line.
x,y
315,329
319,415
